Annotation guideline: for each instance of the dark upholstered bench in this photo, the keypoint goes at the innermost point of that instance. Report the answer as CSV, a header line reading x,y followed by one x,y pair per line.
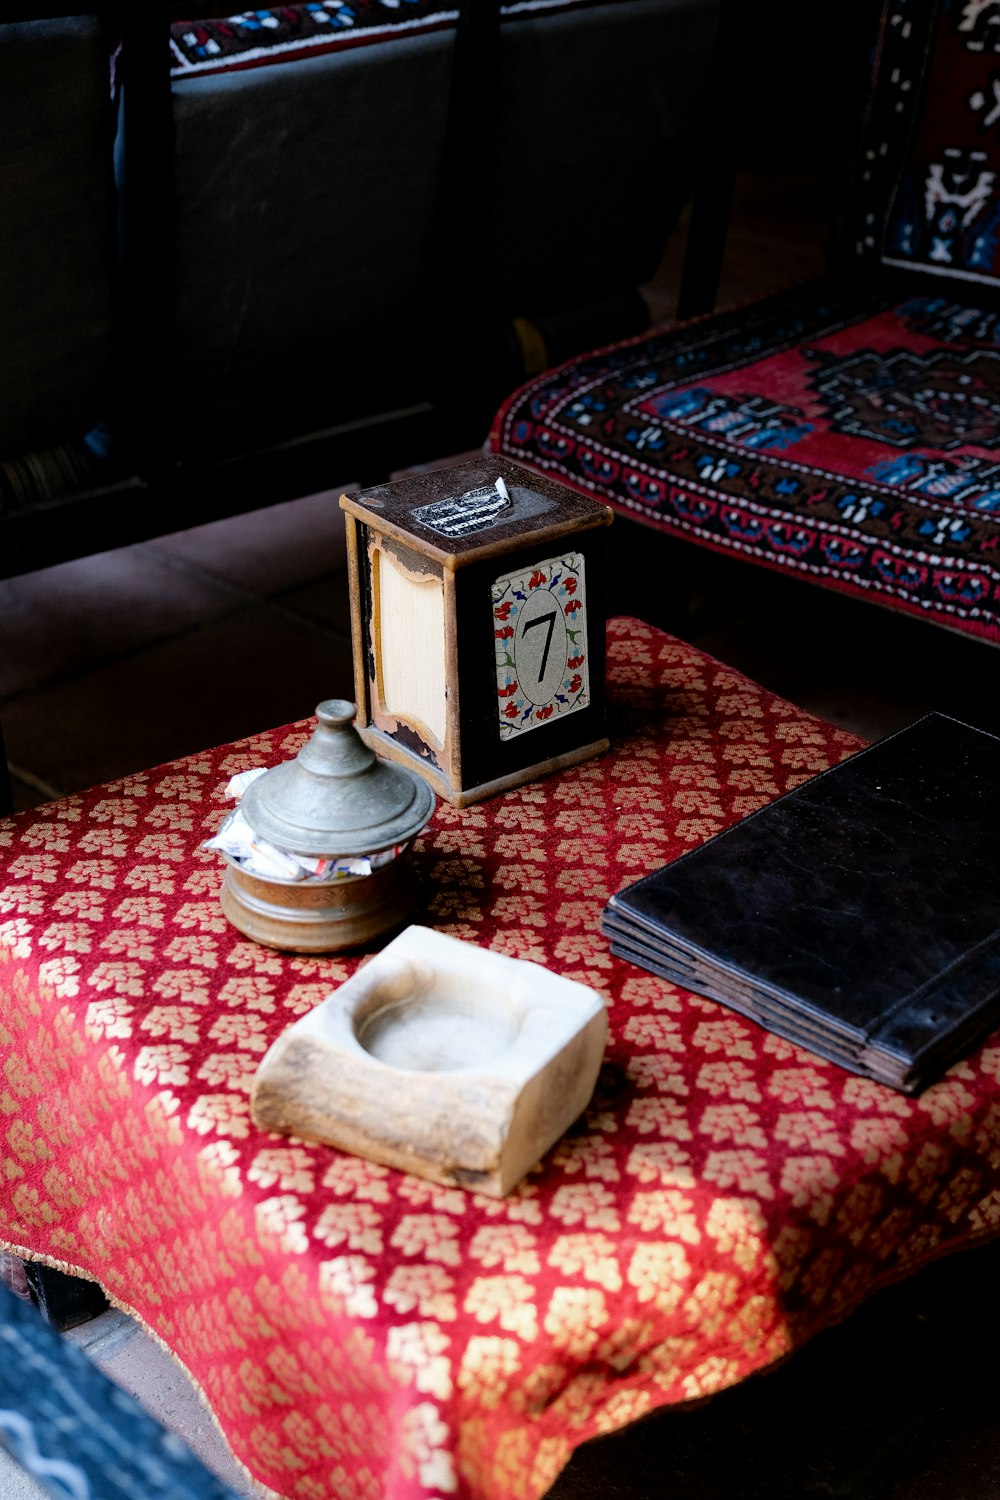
x,y
347,231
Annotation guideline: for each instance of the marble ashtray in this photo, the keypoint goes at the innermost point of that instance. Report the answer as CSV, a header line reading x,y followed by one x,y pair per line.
x,y
441,1058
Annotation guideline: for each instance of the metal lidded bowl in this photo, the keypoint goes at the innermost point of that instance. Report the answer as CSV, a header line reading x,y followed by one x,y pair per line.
x,y
336,798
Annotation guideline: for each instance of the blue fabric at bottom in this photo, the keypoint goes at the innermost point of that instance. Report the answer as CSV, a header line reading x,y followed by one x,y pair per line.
x,y
75,1432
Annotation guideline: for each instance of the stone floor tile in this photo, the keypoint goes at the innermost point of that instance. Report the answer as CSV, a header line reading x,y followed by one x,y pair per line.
x,y
65,619
325,601
268,550
158,1381
255,668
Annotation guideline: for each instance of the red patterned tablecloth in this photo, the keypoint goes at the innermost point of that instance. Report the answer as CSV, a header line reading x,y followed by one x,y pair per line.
x,y
366,1335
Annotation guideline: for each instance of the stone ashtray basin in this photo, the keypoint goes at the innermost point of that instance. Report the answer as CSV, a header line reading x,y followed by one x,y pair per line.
x,y
440,1058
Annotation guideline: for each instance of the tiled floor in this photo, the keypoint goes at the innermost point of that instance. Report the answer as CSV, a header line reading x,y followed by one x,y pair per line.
x,y
132,657
121,661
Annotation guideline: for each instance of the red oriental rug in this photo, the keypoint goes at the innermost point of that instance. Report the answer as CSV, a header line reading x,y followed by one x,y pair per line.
x,y
851,440
846,431
368,1335
288,33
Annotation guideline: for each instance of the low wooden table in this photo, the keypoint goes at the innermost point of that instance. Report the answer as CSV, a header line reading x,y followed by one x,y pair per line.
x,y
370,1335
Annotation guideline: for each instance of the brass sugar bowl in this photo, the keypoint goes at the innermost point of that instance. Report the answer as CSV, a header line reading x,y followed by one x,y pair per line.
x,y
335,801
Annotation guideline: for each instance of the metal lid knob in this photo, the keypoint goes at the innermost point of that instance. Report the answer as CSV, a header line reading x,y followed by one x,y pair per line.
x,y
336,796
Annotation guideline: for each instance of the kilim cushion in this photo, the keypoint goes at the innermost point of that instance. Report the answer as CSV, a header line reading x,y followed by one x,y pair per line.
x,y
851,439
924,198
848,430
253,37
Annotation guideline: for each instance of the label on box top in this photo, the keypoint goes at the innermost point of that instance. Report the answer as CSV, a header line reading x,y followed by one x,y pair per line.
x,y
466,513
479,509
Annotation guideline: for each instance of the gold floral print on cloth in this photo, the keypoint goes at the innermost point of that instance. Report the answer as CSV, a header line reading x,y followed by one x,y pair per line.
x,y
373,1336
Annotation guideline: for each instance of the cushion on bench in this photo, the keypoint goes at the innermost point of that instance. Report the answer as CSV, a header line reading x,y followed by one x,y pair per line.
x,y
849,430
252,38
255,37
851,439
923,203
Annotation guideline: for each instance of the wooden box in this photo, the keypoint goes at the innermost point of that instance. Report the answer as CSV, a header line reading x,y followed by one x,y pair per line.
x,y
478,617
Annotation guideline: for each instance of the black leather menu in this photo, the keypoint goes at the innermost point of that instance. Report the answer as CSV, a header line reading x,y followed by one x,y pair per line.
x,y
858,914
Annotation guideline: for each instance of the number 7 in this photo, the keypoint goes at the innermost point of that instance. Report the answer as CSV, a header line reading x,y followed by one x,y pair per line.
x,y
541,620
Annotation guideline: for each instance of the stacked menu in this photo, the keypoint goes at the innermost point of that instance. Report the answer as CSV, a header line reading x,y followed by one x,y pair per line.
x,y
858,915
